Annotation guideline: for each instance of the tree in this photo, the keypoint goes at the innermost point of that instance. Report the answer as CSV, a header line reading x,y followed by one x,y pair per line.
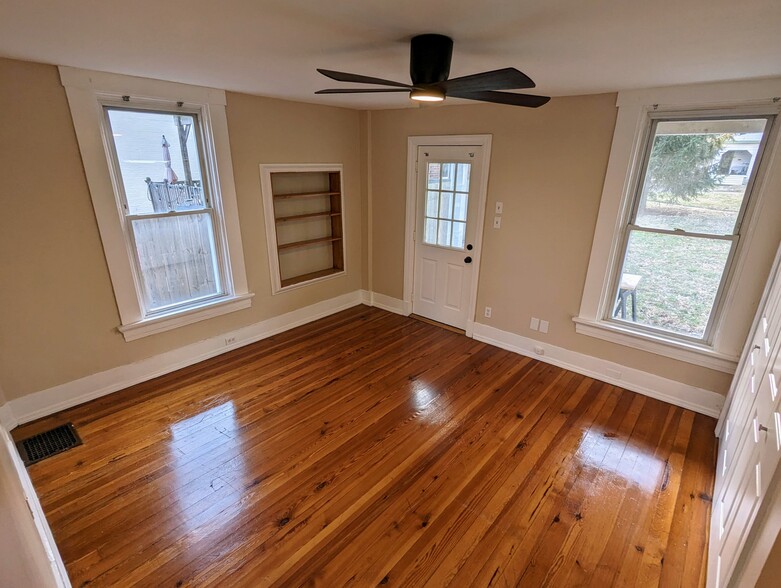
x,y
682,167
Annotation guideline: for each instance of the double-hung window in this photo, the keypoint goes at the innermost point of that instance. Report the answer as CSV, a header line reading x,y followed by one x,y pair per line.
x,y
685,223
680,234
158,165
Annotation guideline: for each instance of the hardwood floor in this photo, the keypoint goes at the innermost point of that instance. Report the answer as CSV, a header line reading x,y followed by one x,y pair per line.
x,y
371,449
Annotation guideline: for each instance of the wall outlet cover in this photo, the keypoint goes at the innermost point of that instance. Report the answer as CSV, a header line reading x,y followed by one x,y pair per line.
x,y
488,312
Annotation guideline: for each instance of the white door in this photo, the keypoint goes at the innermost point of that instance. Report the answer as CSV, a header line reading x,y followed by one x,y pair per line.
x,y
445,228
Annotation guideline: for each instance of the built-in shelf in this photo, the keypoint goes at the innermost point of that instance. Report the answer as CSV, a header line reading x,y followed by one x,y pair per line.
x,y
310,276
295,217
303,252
308,242
305,195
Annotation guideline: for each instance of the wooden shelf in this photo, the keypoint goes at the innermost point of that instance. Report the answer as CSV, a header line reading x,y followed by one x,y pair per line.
x,y
309,242
295,217
306,195
311,276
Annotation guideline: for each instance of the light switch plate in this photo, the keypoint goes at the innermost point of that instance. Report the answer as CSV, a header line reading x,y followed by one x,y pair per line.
x,y
543,326
499,207
534,324
497,222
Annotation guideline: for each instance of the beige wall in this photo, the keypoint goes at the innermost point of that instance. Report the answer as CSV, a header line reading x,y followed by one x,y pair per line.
x,y
23,560
548,166
58,317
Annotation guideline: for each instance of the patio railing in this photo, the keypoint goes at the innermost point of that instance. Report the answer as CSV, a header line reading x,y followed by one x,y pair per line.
x,y
167,196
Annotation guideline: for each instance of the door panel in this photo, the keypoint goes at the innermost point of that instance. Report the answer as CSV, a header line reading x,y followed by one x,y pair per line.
x,y
445,228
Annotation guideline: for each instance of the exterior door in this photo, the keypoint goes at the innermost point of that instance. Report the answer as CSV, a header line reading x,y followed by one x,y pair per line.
x,y
445,228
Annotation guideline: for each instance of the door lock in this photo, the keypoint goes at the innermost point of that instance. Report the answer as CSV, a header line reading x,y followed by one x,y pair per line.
x,y
467,259
469,247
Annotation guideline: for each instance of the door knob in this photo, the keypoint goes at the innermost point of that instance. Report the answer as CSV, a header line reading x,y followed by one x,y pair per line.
x,y
467,259
469,247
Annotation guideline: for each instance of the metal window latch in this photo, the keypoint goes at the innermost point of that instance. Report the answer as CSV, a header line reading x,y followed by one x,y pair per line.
x,y
125,98
763,428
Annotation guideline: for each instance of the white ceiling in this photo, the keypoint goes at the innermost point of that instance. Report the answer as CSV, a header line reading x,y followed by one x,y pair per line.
x,y
272,47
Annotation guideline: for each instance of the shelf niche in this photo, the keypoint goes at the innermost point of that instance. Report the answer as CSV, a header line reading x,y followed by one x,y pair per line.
x,y
304,223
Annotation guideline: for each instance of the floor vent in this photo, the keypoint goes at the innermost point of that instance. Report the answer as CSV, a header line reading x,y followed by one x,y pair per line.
x,y
43,445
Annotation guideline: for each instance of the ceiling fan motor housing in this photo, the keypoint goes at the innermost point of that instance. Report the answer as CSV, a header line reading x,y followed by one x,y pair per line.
x,y
430,57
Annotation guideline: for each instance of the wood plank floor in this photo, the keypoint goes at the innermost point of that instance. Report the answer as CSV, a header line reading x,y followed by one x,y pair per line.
x,y
371,449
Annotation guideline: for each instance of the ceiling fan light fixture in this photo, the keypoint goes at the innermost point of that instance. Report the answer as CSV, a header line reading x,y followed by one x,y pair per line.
x,y
427,95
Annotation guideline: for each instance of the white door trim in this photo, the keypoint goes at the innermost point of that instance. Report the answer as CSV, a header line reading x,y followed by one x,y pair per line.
x,y
413,143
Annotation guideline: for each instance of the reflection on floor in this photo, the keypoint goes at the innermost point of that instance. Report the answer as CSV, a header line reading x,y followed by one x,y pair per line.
x,y
369,448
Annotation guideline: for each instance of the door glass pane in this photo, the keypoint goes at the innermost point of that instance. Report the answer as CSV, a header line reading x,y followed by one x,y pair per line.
x,y
446,205
459,235
462,177
697,174
177,258
459,209
432,202
671,280
158,158
433,175
430,233
448,176
444,233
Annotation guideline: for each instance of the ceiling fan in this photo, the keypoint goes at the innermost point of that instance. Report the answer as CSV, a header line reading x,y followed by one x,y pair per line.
x,y
429,67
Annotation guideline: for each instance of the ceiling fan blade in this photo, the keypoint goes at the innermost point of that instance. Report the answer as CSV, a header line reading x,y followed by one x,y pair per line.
x,y
508,78
503,98
359,90
341,76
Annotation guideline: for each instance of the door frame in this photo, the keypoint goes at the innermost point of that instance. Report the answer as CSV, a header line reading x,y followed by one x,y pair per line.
x,y
413,143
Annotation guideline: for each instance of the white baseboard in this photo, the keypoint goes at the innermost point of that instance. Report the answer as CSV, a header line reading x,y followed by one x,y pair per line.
x,y
390,304
57,398
674,392
7,418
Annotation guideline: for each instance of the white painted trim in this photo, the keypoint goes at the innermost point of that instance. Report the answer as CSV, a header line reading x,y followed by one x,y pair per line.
x,y
677,393
7,418
629,139
58,571
166,322
413,143
698,355
267,193
391,304
86,92
57,398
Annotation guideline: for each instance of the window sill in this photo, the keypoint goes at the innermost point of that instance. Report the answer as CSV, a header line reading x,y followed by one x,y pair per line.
x,y
690,353
173,320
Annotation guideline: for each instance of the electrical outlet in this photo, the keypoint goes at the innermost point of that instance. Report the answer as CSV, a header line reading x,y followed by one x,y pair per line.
x,y
487,312
230,340
534,324
497,222
539,350
499,207
544,326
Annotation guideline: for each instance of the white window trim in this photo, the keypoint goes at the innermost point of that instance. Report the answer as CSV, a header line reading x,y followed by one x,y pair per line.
x,y
629,139
86,90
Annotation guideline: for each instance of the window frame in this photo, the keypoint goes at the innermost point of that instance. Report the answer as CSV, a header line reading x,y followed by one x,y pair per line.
x,y
734,238
90,95
635,108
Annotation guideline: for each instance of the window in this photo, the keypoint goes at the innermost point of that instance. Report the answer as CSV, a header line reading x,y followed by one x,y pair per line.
x,y
446,204
685,224
160,176
676,260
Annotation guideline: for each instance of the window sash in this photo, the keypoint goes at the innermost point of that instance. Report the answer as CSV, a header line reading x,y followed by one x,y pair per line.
x,y
630,225
218,244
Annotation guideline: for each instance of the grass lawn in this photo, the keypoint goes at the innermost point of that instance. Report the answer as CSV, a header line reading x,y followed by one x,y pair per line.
x,y
680,275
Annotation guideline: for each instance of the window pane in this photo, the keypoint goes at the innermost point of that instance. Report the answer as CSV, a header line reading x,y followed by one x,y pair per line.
x,y
177,258
459,232
430,234
444,234
433,176
432,201
459,210
158,160
674,280
697,174
448,176
446,205
462,179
